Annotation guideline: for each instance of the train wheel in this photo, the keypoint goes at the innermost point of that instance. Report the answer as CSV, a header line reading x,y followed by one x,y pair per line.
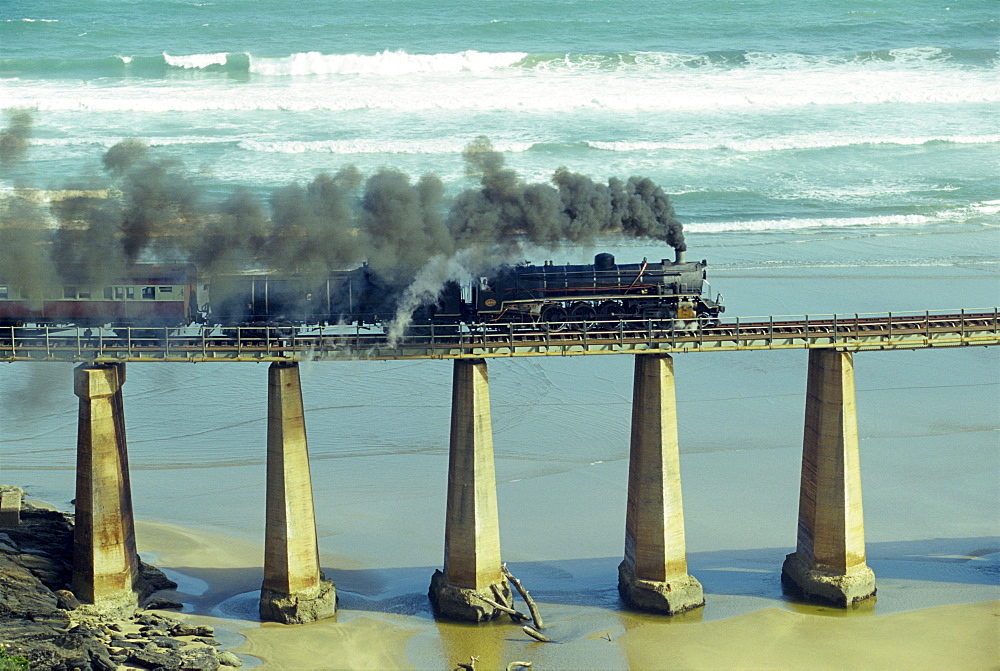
x,y
554,317
584,315
610,311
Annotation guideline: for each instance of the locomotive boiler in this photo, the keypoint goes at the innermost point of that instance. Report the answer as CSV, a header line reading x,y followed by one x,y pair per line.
x,y
604,291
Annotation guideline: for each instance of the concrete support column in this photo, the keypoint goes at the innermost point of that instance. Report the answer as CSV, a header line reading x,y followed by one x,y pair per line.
x,y
294,591
105,562
829,561
472,529
653,575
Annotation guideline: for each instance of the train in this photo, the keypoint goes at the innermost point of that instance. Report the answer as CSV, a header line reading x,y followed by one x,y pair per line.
x,y
157,295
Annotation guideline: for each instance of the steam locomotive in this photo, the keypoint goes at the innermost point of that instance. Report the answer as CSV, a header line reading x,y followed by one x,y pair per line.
x,y
550,296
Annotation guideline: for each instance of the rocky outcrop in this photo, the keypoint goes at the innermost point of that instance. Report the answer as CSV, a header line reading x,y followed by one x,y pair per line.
x,y
43,621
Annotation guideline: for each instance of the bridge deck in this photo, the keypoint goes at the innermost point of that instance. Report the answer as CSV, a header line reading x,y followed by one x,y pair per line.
x,y
856,332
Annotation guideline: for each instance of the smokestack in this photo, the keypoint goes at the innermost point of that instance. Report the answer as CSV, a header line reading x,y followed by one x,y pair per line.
x,y
679,256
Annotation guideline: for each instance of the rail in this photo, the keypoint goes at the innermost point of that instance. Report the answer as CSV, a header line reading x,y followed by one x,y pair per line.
x,y
851,332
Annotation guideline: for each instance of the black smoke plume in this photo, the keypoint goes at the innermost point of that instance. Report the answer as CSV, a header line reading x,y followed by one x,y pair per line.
x,y
410,236
576,210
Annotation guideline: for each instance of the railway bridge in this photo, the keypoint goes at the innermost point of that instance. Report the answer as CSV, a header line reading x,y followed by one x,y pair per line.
x,y
828,564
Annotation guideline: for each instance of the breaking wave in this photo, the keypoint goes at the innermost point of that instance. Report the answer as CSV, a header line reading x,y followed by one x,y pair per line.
x,y
373,146
387,63
981,213
801,224
397,62
792,143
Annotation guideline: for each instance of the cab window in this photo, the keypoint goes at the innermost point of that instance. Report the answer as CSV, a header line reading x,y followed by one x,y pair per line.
x,y
4,292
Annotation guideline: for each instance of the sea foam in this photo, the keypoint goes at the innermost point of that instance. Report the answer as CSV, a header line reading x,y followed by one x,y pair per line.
x,y
763,225
195,61
386,63
792,143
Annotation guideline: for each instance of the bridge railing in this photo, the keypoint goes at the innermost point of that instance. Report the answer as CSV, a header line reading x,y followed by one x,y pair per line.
x,y
202,343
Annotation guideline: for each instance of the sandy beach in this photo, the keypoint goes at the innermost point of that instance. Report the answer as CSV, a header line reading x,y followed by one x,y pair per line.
x,y
955,636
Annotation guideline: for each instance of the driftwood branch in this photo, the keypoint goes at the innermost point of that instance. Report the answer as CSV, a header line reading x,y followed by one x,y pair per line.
x,y
535,634
518,665
532,608
515,615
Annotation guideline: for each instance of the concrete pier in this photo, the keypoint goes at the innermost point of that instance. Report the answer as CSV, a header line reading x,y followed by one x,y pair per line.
x,y
10,508
829,562
105,562
294,591
472,529
653,576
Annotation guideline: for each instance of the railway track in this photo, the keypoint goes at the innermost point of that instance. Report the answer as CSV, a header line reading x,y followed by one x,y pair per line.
x,y
854,332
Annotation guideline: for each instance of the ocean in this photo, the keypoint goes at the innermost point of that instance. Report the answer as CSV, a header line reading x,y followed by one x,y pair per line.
x,y
835,157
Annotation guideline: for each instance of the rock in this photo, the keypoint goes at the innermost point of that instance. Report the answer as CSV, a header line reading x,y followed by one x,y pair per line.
x,y
102,662
150,619
36,607
227,658
161,603
184,629
127,645
66,600
34,561
208,641
165,642
149,659
204,659
152,579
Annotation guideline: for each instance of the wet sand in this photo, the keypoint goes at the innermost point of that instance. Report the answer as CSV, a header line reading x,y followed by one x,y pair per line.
x,y
219,569
946,637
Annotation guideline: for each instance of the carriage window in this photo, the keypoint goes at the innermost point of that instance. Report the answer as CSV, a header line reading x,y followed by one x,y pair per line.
x,y
149,292
69,292
166,290
108,292
130,293
84,293
4,292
